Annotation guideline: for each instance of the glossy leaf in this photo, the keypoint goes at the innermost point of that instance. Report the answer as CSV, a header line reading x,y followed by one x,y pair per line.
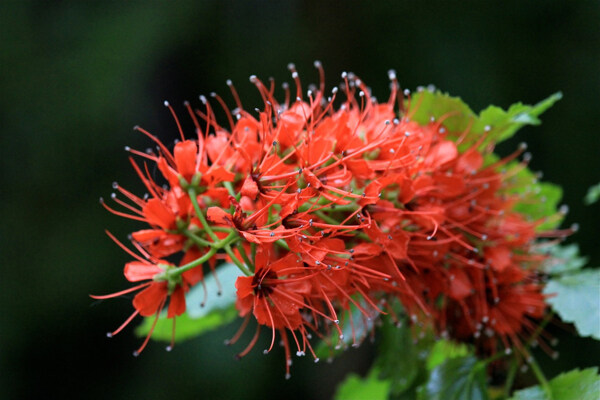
x,y
461,378
576,298
405,368
572,385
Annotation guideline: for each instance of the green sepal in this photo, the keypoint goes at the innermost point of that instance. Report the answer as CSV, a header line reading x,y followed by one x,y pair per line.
x,y
572,385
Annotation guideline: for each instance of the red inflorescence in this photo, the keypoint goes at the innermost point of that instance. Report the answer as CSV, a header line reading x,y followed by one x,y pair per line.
x,y
333,204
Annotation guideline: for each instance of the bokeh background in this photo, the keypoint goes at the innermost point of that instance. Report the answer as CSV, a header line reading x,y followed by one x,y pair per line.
x,y
76,76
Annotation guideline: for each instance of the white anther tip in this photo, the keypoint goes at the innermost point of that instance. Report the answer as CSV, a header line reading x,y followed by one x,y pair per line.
x,y
166,103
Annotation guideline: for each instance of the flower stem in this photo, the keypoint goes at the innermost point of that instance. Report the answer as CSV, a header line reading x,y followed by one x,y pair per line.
x,y
207,227
537,371
231,191
173,273
512,372
236,261
242,251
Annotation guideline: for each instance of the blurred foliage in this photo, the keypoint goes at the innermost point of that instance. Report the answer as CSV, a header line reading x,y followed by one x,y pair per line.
x,y
76,76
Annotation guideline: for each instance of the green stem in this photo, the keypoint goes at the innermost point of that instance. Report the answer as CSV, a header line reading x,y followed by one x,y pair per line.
x,y
510,379
231,191
220,229
197,239
207,227
173,273
537,371
326,218
242,251
236,261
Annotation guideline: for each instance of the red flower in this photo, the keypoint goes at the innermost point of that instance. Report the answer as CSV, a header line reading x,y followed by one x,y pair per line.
x,y
329,209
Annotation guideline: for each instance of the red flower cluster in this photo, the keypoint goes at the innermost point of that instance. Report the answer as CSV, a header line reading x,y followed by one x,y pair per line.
x,y
332,203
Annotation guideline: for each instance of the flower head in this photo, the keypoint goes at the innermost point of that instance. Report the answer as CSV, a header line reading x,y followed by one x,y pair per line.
x,y
335,202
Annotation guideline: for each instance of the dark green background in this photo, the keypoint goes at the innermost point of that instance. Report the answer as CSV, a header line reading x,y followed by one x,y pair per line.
x,y
76,76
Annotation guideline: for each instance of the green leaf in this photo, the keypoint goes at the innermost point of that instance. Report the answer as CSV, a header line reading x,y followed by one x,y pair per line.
x,y
572,385
186,327
593,194
501,124
198,318
504,124
538,200
576,298
356,388
443,350
196,305
402,359
425,104
461,378
355,327
564,259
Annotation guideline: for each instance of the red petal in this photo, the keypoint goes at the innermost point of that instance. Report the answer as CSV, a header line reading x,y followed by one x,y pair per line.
x,y
169,173
250,188
177,304
366,249
243,285
498,257
149,300
158,214
218,215
470,161
194,275
185,158
139,271
441,153
460,285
